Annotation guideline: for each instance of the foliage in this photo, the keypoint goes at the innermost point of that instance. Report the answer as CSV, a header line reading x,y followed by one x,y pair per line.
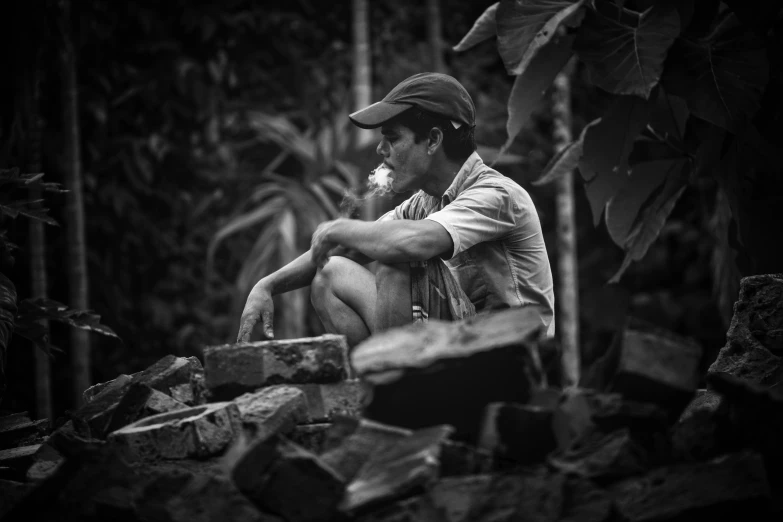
x,y
687,80
25,318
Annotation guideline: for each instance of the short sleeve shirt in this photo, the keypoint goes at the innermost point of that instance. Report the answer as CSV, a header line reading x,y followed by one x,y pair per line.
x,y
499,257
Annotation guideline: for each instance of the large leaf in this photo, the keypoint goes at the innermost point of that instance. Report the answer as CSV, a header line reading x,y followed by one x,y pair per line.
x,y
7,315
606,148
625,54
565,161
651,220
721,76
483,29
624,207
51,310
525,27
529,87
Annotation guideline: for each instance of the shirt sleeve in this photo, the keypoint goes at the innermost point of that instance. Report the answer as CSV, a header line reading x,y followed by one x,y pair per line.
x,y
401,211
479,214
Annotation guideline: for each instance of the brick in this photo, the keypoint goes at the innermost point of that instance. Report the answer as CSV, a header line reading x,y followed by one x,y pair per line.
x,y
657,366
170,371
90,393
286,480
518,432
396,469
534,494
46,461
733,487
311,437
325,401
585,502
195,432
596,455
19,430
140,401
272,410
447,372
233,369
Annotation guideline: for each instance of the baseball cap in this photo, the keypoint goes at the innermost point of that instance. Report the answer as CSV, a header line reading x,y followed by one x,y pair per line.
x,y
429,91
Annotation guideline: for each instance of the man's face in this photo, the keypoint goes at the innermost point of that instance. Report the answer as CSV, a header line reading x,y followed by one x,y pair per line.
x,y
408,160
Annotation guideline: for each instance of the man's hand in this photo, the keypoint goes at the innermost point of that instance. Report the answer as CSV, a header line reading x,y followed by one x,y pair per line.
x,y
259,305
321,244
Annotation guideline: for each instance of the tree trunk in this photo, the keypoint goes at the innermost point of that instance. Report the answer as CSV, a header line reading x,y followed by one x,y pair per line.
x,y
74,210
38,276
362,87
568,288
434,35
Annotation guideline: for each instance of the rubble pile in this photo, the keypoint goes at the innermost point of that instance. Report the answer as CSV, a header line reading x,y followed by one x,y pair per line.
x,y
444,422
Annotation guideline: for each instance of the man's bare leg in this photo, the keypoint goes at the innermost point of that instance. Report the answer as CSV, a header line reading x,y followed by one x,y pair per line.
x,y
393,288
343,295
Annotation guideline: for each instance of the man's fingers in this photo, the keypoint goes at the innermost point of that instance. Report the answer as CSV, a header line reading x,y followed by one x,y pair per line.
x,y
268,330
245,328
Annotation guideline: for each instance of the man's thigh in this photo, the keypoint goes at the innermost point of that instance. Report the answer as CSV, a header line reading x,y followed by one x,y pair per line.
x,y
353,284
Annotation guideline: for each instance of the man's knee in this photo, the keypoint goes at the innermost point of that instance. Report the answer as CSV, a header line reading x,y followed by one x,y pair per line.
x,y
325,279
394,274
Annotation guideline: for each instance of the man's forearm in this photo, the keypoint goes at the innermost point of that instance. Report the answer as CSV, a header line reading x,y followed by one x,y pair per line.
x,y
296,274
395,241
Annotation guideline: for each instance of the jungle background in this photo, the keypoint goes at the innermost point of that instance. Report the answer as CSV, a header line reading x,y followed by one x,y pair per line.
x,y
213,137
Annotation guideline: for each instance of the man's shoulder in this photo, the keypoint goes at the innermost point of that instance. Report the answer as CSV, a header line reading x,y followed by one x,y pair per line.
x,y
487,178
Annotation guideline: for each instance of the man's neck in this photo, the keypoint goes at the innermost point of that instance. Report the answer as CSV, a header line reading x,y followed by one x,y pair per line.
x,y
441,175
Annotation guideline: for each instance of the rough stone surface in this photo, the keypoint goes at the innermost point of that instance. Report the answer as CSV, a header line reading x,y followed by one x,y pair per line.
x,y
233,369
705,400
732,487
19,430
311,437
195,432
535,494
169,372
11,492
518,432
140,401
45,462
272,410
754,341
90,393
285,479
597,455
326,401
396,469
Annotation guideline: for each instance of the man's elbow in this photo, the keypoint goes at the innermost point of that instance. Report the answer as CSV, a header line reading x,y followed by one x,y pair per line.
x,y
424,248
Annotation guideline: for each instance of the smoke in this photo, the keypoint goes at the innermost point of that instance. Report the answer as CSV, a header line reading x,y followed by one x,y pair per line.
x,y
379,184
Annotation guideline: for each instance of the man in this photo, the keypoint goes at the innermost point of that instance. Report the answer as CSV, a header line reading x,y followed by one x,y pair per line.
x,y
468,240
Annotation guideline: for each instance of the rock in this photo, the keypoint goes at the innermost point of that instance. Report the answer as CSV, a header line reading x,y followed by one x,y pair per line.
x,y
396,470
458,459
700,436
311,437
233,369
17,457
657,366
705,400
605,456
754,341
357,446
11,492
284,479
90,393
272,410
325,401
140,401
447,372
732,487
534,494
19,430
195,432
170,372
518,432
45,462
583,501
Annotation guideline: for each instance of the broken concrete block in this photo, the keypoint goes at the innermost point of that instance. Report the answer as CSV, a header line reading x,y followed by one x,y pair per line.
x,y
325,401
89,394
419,372
356,447
233,369
19,430
45,462
140,401
704,400
733,486
286,480
657,366
458,459
15,456
518,432
195,432
597,455
754,341
169,372
584,501
272,410
532,494
397,469
311,437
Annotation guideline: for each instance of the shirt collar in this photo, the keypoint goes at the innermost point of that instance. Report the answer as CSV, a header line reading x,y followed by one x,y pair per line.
x,y
473,161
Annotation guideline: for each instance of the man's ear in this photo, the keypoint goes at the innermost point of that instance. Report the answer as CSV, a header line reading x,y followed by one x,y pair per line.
x,y
434,140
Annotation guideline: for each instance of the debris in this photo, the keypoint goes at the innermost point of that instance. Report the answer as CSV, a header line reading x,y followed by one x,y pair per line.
x,y
272,410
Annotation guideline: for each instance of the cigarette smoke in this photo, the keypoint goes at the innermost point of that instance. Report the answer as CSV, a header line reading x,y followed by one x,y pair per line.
x,y
379,184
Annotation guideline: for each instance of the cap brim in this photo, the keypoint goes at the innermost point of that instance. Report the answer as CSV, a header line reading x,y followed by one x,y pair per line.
x,y
377,114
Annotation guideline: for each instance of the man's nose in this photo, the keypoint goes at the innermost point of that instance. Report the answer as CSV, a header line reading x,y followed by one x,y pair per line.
x,y
381,149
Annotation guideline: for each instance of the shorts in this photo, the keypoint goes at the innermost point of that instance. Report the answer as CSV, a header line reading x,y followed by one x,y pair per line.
x,y
435,294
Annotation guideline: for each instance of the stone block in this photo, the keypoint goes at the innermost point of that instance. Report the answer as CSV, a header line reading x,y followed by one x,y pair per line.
x,y
584,501
170,372
272,410
19,430
704,400
284,479
311,437
532,494
419,372
195,432
90,393
140,401
732,487
397,469
754,341
45,462
520,433
325,401
14,457
657,366
233,369
604,456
